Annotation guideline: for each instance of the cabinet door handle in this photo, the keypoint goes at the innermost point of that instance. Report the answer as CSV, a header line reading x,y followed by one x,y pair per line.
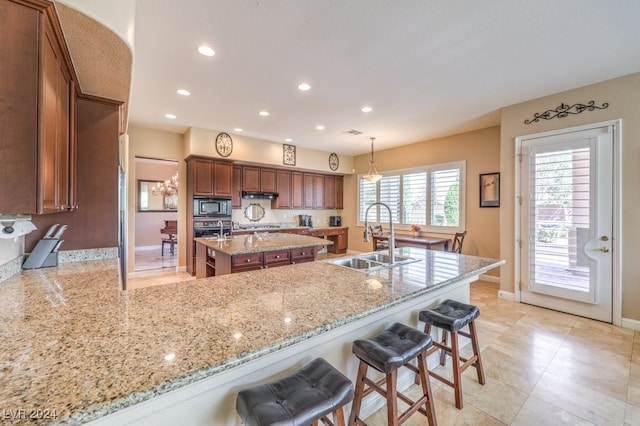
x,y
278,257
248,260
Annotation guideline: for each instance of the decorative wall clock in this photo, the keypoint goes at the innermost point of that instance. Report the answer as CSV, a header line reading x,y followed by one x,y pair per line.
x,y
334,161
288,155
224,144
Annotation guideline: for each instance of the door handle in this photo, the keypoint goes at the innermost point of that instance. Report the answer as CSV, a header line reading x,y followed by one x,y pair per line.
x,y
604,238
604,249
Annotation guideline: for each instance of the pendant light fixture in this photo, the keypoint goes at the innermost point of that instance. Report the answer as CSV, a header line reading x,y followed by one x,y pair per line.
x,y
373,175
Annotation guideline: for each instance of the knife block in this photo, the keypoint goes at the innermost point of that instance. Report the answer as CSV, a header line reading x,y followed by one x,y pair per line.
x,y
42,255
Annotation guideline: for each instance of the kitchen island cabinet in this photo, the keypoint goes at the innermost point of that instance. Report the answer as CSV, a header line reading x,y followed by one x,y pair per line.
x,y
242,253
150,355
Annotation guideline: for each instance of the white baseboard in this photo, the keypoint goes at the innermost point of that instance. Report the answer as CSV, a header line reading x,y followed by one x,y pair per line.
x,y
506,295
630,324
490,278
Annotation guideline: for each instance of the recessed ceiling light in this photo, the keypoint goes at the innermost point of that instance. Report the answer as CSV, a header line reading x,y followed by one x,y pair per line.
x,y
206,50
171,116
320,127
304,86
264,113
288,140
237,129
184,92
366,109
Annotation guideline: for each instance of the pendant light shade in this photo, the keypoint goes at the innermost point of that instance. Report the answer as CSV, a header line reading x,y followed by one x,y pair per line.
x,y
372,175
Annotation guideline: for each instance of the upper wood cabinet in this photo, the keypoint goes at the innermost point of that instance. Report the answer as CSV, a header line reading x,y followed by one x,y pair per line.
x,y
308,191
333,192
38,103
236,185
258,179
251,178
297,190
268,180
339,202
210,178
318,191
283,188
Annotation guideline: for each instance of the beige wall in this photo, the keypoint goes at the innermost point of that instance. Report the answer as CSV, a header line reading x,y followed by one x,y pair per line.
x,y
480,149
623,96
151,143
202,142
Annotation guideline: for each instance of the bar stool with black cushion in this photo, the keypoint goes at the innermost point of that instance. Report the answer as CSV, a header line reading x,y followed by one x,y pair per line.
x,y
451,317
310,394
395,347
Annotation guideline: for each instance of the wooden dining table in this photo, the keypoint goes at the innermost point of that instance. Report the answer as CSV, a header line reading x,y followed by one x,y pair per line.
x,y
410,241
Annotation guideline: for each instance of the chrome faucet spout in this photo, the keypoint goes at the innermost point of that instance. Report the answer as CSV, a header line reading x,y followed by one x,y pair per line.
x,y
392,238
221,225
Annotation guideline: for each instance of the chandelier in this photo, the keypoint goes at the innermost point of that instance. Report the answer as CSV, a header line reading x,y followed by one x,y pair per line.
x,y
372,175
168,187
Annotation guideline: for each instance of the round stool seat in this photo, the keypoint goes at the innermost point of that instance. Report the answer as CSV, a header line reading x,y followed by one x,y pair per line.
x,y
450,315
314,391
392,348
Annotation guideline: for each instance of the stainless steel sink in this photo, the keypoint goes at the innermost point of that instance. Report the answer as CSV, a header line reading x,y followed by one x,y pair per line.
x,y
357,263
370,262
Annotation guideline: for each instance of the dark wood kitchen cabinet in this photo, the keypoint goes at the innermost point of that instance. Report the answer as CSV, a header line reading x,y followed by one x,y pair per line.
x,y
333,192
258,179
38,101
297,190
283,188
236,186
210,177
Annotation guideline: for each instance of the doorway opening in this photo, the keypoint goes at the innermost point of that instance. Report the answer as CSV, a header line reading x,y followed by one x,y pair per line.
x,y
156,214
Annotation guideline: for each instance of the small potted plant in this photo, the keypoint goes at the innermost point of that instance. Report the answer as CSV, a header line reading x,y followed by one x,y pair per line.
x,y
415,229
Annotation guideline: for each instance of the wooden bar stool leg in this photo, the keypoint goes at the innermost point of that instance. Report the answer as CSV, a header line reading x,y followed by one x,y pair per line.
x,y
426,388
476,352
338,417
392,398
457,379
359,393
443,353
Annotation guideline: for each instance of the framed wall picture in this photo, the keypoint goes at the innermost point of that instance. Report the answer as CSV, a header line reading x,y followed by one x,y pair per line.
x,y
490,190
288,155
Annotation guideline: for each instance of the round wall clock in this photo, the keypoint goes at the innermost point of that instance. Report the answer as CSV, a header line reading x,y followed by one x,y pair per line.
x,y
334,161
224,144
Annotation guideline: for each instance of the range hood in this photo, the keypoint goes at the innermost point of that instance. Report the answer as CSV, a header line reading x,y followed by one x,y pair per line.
x,y
259,195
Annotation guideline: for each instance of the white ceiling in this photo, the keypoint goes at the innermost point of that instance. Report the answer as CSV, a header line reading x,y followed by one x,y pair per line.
x,y
429,68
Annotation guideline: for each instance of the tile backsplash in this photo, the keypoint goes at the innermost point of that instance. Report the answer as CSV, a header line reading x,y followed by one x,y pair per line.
x,y
319,218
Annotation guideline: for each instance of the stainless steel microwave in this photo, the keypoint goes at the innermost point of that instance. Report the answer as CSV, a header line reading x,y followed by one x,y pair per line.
x,y
212,207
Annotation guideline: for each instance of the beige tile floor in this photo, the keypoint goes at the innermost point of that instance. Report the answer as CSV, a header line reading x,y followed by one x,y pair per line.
x,y
542,368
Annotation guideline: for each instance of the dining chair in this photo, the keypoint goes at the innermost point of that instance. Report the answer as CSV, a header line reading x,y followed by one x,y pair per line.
x,y
380,244
456,247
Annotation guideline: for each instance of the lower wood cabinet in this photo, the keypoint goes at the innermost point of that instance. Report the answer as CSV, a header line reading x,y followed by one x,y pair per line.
x,y
339,236
210,262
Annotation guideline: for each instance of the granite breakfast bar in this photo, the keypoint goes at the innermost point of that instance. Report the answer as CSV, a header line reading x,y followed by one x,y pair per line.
x,y
72,344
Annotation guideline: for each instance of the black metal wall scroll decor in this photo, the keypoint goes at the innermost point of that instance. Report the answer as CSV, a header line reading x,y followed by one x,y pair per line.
x,y
564,110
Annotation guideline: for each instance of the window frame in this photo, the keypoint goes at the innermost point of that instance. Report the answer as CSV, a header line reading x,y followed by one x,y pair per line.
x,y
434,229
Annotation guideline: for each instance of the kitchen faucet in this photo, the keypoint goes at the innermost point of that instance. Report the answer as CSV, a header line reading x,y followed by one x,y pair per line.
x,y
392,238
220,224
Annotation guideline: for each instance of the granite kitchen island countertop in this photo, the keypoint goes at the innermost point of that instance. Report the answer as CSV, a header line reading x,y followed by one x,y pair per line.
x,y
261,242
76,347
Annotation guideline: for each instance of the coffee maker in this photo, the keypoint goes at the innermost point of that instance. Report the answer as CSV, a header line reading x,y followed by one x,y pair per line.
x,y
305,220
